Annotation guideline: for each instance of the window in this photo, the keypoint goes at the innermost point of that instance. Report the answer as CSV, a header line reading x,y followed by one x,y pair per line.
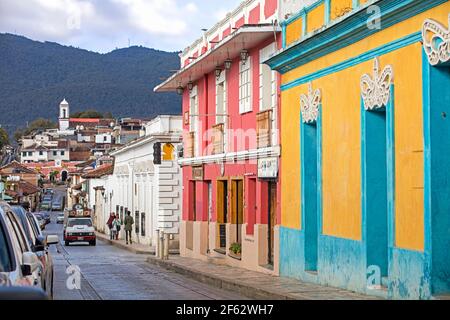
x,y
24,154
55,153
143,224
193,123
221,98
245,86
6,263
41,153
30,153
268,89
136,222
17,233
63,152
267,80
105,138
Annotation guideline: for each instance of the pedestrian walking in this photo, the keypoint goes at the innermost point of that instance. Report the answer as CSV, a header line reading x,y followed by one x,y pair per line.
x,y
119,226
110,224
116,227
129,221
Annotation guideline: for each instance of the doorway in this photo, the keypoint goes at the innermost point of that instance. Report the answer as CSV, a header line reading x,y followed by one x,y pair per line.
x,y
375,181
272,209
237,209
222,214
309,194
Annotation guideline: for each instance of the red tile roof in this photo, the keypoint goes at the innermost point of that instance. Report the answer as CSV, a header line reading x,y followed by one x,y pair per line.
x,y
101,171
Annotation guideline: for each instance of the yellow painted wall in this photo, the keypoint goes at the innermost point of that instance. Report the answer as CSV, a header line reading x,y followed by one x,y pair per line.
x,y
409,156
341,136
294,31
339,7
290,155
315,18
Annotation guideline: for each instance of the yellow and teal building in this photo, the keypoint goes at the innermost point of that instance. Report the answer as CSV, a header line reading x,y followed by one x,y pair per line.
x,y
365,135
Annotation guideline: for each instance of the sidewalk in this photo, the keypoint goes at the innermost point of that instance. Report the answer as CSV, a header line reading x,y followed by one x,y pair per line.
x,y
254,284
135,247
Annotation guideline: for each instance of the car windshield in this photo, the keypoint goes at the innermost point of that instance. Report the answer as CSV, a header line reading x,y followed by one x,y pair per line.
x,y
5,258
80,222
61,215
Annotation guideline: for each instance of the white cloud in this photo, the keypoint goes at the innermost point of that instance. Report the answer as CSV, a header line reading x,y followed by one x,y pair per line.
x,y
102,25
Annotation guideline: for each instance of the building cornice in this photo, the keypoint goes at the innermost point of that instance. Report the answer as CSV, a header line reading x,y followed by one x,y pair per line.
x,y
346,31
274,151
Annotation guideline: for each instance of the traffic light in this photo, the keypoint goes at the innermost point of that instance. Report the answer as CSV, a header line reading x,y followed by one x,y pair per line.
x,y
157,153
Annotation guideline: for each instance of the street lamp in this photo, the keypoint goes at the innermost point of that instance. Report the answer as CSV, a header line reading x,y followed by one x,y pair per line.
x,y
244,55
227,64
190,85
180,90
218,72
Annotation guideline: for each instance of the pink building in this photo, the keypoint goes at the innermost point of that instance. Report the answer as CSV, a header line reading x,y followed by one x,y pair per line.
x,y
231,107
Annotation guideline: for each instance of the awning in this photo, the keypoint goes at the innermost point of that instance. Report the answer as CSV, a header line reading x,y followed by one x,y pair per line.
x,y
246,37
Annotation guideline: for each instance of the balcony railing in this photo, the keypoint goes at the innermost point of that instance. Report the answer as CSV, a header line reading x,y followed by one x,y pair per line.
x,y
264,128
190,145
218,138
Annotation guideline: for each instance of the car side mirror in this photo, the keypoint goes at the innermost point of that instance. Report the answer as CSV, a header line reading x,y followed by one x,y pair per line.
x,y
30,263
40,245
52,239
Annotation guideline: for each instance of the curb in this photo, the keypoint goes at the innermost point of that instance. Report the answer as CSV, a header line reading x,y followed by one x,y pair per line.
x,y
105,238
252,292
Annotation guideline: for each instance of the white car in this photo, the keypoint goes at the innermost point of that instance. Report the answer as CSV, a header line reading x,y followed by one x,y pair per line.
x,y
19,265
60,218
79,229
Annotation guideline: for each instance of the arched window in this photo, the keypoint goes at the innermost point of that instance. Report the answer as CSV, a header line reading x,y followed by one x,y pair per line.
x,y
168,149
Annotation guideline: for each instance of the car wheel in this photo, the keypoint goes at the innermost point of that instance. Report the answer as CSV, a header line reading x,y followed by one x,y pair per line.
x,y
66,243
92,243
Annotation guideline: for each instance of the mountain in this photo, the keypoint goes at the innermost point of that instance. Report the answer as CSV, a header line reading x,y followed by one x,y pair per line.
x,y
36,76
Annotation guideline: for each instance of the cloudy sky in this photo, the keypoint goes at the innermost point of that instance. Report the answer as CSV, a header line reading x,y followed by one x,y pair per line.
x,y
103,25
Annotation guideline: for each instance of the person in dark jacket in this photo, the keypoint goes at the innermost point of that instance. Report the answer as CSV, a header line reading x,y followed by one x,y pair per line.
x,y
129,221
110,225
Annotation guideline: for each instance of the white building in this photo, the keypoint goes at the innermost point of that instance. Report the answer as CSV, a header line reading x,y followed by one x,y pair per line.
x,y
150,192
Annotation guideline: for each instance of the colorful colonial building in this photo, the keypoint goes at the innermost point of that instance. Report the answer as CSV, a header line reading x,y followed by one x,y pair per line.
x,y
231,186
365,195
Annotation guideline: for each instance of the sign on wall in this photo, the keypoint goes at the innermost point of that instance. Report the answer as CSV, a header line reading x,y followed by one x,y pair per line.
x,y
197,173
268,168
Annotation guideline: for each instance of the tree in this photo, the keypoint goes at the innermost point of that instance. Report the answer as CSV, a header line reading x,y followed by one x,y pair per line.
x,y
4,138
38,124
89,114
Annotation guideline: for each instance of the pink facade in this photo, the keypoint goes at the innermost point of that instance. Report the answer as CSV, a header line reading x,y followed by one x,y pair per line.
x,y
231,111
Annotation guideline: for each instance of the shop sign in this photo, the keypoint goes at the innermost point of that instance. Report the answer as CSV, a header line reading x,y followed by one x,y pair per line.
x,y
268,168
197,173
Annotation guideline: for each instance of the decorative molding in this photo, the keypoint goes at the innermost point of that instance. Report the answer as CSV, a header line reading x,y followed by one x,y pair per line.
x,y
436,41
309,104
345,31
376,90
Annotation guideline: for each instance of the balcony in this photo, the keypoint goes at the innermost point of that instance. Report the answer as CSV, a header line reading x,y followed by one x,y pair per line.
x,y
264,129
190,145
218,139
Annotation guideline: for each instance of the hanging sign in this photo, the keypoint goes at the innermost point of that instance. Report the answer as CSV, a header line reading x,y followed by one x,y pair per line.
x,y
268,168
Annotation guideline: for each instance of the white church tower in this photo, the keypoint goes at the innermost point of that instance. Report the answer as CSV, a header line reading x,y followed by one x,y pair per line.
x,y
63,115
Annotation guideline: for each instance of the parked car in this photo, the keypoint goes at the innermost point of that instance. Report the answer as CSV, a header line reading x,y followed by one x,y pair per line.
x,y
39,245
41,220
22,293
47,216
18,264
79,229
57,206
60,218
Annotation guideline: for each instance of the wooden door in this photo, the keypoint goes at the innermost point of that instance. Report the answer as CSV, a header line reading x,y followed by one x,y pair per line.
x,y
272,218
